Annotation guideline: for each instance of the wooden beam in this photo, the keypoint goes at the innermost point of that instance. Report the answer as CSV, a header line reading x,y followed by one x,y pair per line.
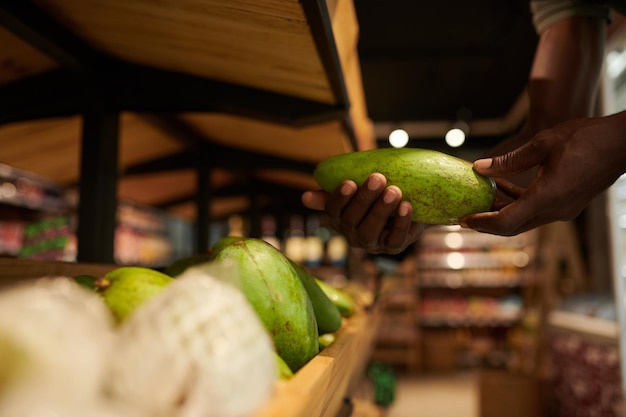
x,y
52,94
274,191
223,156
97,209
317,15
143,89
41,31
204,162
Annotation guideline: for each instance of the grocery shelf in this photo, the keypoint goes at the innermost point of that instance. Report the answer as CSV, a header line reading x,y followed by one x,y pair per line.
x,y
475,287
319,389
167,102
473,277
14,270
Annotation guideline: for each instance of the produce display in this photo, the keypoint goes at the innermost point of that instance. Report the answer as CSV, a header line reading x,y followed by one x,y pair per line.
x,y
440,187
273,288
212,339
126,288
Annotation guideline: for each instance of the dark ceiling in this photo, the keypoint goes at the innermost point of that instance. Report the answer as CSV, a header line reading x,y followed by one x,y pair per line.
x,y
426,61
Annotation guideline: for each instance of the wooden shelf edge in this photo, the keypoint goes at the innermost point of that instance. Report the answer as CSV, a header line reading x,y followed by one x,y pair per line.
x,y
584,324
320,387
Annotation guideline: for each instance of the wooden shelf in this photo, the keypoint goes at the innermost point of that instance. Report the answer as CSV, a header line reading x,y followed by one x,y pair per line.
x,y
321,386
167,103
319,389
580,323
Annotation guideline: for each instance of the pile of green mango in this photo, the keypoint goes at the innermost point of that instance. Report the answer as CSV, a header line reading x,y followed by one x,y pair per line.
x,y
301,312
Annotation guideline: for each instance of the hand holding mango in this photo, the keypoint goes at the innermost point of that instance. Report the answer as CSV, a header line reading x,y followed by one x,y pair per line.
x,y
381,198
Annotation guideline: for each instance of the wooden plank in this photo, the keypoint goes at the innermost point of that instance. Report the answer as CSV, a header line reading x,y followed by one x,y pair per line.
x,y
16,270
264,44
51,147
316,390
587,325
19,60
320,387
310,143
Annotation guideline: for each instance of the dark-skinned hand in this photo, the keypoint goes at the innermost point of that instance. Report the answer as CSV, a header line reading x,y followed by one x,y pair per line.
x,y
372,216
575,160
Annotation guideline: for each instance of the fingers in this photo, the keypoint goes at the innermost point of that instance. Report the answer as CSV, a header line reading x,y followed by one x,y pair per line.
x,y
514,162
403,230
371,216
315,200
348,203
346,211
517,217
509,189
374,221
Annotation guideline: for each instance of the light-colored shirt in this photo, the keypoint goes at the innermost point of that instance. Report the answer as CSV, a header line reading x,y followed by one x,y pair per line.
x,y
548,12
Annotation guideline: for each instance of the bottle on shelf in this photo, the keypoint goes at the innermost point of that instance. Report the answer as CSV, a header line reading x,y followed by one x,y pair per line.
x,y
294,241
268,231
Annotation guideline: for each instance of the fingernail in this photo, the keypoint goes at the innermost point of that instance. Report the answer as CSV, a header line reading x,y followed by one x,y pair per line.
x,y
374,183
346,189
483,163
403,210
390,196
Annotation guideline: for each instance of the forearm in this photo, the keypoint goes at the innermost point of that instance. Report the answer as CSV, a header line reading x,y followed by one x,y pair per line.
x,y
565,74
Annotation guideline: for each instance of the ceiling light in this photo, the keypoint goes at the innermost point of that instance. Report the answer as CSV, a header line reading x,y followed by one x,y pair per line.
x,y
398,138
455,260
455,137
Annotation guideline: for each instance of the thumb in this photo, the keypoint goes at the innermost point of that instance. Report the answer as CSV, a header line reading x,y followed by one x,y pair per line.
x,y
511,163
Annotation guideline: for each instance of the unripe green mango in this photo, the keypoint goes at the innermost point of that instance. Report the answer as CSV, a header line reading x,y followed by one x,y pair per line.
x,y
341,299
180,265
327,314
126,288
283,370
222,243
274,290
441,188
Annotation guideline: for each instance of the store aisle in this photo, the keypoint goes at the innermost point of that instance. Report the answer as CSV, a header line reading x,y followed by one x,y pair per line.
x,y
437,395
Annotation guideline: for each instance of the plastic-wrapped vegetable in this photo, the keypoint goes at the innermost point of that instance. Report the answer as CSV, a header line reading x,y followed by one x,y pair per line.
x,y
55,338
196,349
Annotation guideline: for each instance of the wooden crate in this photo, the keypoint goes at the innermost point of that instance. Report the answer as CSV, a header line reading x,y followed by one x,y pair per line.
x,y
321,386
13,270
319,389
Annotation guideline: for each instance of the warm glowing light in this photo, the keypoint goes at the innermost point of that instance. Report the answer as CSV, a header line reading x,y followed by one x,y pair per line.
x,y
521,259
398,138
8,190
455,137
454,240
455,260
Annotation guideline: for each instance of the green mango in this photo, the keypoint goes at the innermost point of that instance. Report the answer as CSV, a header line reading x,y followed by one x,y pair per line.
x,y
284,372
274,290
125,288
441,188
180,265
87,281
222,243
327,339
344,302
327,314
